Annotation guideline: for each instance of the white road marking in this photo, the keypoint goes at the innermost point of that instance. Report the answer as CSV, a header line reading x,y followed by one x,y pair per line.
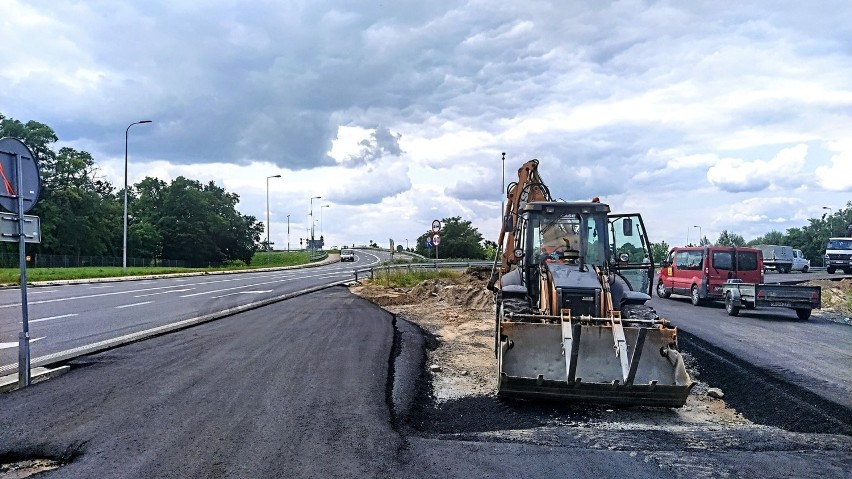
x,y
42,291
134,304
263,283
102,287
52,317
15,343
242,292
164,292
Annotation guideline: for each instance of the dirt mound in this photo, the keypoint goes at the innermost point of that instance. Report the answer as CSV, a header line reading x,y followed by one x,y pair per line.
x,y
836,296
467,291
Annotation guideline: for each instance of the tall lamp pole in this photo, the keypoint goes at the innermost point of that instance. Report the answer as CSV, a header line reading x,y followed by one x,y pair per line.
x,y
288,233
321,207
830,220
268,247
312,221
700,236
124,245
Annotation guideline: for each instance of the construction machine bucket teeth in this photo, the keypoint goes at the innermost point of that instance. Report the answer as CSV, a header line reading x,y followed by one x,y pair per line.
x,y
583,363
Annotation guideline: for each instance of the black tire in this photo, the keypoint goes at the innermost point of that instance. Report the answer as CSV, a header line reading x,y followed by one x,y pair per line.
x,y
694,296
661,290
730,307
805,269
830,270
803,314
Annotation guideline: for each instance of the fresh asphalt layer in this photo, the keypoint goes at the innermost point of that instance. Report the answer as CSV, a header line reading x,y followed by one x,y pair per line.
x,y
322,385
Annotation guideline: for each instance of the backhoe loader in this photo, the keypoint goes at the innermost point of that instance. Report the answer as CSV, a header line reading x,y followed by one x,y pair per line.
x,y
571,280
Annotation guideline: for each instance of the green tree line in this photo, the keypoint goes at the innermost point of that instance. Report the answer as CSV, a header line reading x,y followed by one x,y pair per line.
x,y
82,214
811,238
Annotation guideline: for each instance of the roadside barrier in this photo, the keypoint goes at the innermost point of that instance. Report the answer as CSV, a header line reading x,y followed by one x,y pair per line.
x,y
409,267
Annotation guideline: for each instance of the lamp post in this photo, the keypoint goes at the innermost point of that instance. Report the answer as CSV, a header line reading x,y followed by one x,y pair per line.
x,y
406,244
268,246
124,246
321,207
830,220
312,221
288,233
700,236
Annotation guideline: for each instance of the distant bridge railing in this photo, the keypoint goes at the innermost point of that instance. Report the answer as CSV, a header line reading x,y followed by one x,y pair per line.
x,y
410,267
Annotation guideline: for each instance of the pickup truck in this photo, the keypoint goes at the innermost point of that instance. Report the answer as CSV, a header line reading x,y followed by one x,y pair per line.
x,y
749,295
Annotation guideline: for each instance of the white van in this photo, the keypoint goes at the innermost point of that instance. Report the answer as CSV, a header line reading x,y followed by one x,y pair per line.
x,y
799,262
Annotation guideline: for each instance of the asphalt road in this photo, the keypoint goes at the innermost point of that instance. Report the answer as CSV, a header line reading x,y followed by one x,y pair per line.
x,y
308,387
815,354
69,317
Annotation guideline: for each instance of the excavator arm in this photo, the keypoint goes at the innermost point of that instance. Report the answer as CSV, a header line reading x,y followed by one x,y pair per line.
x,y
529,187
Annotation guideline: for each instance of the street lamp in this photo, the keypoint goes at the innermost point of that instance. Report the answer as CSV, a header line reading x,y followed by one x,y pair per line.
x,y
830,220
406,244
268,247
312,219
700,236
321,207
124,247
288,233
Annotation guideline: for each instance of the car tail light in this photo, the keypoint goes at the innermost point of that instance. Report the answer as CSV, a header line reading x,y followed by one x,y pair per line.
x,y
761,294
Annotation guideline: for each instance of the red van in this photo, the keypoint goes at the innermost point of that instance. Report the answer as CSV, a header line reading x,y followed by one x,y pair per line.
x,y
699,272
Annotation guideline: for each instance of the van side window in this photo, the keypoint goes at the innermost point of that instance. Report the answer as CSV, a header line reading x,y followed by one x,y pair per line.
x,y
682,260
746,260
723,260
689,259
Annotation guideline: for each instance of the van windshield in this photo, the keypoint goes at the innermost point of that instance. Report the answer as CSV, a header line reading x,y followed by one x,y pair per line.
x,y
839,244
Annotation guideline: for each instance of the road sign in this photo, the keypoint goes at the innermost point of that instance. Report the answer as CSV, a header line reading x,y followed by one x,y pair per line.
x,y
436,226
429,244
30,180
9,228
436,239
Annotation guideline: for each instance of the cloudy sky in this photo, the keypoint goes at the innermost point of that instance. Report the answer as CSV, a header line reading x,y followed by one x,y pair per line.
x,y
718,115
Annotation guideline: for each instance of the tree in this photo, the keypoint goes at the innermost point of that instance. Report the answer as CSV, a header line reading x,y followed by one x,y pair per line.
x,y
773,237
459,239
659,251
730,239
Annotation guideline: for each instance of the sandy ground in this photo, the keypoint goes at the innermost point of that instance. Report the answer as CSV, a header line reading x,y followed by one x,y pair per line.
x,y
459,312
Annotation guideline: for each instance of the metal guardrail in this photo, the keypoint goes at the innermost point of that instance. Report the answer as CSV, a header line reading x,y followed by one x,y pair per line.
x,y
409,267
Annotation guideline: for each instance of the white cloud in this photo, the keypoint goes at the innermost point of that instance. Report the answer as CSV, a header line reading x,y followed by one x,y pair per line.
x,y
736,175
684,110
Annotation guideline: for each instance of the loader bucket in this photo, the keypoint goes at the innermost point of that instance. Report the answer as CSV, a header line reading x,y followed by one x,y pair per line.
x,y
578,362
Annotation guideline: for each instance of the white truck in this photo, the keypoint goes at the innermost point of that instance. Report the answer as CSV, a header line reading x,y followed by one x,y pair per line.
x,y
838,255
779,258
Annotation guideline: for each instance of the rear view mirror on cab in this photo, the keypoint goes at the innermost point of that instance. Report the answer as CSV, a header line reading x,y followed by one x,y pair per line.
x,y
627,227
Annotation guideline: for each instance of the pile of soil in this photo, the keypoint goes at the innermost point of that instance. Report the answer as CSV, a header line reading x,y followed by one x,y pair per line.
x,y
836,299
459,312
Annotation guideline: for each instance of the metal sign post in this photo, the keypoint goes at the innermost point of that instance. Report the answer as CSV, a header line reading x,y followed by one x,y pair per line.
x,y
16,159
436,238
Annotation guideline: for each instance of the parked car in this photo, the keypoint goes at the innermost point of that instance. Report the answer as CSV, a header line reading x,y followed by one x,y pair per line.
x,y
347,255
800,263
700,272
